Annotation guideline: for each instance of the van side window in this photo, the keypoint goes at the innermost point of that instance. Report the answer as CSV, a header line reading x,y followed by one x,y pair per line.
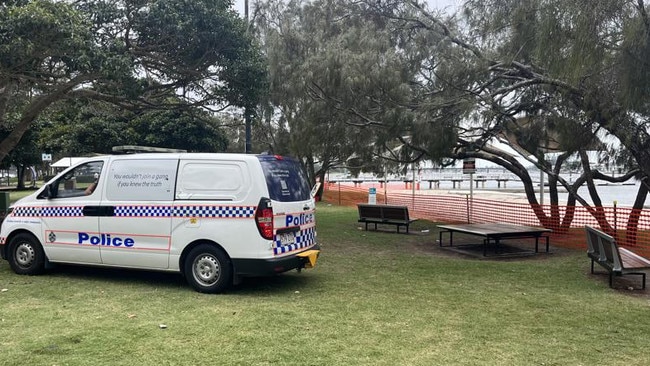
x,y
80,181
213,180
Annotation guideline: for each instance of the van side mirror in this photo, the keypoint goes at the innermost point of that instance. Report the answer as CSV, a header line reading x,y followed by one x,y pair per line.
x,y
315,189
47,192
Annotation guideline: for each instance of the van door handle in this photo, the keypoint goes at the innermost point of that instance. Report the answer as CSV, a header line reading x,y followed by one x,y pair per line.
x,y
306,208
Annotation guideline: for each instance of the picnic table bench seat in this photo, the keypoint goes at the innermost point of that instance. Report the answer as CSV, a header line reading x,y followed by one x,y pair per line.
x,y
603,249
384,214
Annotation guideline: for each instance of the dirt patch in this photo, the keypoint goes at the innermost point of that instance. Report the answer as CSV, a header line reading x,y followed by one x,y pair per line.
x,y
423,239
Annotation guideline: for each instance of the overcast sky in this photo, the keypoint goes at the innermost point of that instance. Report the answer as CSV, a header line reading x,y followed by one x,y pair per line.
x,y
441,4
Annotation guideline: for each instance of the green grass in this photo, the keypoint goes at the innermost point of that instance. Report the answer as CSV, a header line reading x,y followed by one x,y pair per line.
x,y
15,195
375,298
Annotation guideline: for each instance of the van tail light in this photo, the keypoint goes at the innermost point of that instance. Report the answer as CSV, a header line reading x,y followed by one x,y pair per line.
x,y
264,218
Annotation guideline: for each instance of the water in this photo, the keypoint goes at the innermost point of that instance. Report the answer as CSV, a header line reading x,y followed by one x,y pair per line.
x,y
623,194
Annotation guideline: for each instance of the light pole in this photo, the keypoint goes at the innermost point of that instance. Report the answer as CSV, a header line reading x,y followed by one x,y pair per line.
x,y
247,112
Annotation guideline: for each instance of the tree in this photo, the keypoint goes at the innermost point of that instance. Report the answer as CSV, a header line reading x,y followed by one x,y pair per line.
x,y
345,87
299,39
568,69
539,76
84,127
130,54
25,155
584,61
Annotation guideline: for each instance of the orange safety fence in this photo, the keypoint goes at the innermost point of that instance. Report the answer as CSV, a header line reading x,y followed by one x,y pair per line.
x,y
630,227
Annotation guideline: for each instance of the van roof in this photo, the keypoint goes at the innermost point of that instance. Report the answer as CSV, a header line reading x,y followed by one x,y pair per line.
x,y
183,155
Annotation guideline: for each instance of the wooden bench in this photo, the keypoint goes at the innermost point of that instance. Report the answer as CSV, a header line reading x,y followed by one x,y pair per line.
x,y
384,214
602,249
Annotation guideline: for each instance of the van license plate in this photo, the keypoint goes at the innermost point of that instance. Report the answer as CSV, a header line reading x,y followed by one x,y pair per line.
x,y
287,238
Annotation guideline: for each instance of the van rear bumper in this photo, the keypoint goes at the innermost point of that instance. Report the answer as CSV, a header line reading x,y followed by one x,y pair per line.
x,y
268,267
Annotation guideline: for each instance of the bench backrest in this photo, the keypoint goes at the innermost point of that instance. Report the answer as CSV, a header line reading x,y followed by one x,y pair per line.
x,y
369,211
396,213
594,243
606,245
383,212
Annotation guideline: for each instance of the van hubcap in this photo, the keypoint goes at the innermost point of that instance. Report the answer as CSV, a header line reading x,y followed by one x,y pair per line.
x,y
206,269
25,254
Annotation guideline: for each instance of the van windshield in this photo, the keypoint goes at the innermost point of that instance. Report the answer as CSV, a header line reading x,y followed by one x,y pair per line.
x,y
285,178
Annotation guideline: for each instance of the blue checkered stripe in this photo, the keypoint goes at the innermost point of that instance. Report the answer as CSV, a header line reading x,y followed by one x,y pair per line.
x,y
304,238
62,211
26,211
143,211
185,211
52,211
215,211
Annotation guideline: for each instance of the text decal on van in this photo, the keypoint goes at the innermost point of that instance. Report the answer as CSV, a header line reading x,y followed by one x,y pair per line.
x,y
302,219
105,239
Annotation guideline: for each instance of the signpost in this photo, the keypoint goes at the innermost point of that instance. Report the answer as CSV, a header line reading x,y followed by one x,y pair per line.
x,y
47,159
372,196
469,167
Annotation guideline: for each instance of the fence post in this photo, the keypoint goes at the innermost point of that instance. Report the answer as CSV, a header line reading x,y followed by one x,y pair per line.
x,y
339,193
467,200
615,225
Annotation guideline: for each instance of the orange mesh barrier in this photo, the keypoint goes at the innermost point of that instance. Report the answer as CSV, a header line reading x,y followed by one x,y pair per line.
x,y
630,227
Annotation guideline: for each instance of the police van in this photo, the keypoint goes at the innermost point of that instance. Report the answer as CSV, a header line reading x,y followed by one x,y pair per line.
x,y
214,218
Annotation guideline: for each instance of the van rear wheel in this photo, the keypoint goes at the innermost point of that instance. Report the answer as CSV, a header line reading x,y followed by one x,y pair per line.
x,y
208,269
26,255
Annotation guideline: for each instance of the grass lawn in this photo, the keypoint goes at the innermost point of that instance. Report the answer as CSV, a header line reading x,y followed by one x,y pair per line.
x,y
375,298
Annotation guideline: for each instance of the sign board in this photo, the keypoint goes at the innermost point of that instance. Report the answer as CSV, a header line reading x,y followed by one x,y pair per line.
x,y
46,157
372,196
469,166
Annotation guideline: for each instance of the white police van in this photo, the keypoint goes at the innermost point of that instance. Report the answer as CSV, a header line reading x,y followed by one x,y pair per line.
x,y
212,217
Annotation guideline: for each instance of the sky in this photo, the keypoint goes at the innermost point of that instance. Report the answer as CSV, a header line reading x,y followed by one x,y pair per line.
x,y
440,4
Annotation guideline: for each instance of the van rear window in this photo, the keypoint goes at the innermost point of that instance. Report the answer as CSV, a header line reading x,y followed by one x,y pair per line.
x,y
285,178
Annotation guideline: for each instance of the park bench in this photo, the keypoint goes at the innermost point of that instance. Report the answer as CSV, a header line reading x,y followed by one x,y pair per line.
x,y
602,249
384,214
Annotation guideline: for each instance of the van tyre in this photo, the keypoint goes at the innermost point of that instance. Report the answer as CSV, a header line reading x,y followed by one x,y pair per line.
x,y
26,255
208,269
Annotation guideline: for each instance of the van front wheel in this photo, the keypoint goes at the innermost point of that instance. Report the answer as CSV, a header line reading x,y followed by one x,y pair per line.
x,y
26,255
208,269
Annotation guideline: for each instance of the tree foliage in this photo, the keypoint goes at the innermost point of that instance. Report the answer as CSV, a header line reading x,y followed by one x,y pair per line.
x,y
349,88
547,76
132,54
540,76
87,127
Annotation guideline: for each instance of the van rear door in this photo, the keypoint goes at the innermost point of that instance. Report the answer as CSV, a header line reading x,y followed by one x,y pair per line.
x,y
293,207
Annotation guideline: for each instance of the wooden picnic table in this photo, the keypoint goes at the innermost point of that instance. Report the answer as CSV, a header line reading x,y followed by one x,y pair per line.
x,y
495,232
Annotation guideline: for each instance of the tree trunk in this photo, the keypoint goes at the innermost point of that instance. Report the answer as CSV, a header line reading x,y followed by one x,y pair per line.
x,y
635,214
20,176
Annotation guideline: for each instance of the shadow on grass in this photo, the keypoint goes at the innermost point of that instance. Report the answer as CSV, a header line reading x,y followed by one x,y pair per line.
x,y
289,281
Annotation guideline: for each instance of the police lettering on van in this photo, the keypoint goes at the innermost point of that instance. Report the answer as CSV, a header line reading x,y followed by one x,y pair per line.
x,y
213,218
105,239
302,219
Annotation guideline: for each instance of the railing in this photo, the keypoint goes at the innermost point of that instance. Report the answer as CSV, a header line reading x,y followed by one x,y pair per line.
x,y
567,232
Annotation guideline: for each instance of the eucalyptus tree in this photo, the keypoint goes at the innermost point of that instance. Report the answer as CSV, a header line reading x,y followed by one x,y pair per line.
x,y
302,41
346,88
133,54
